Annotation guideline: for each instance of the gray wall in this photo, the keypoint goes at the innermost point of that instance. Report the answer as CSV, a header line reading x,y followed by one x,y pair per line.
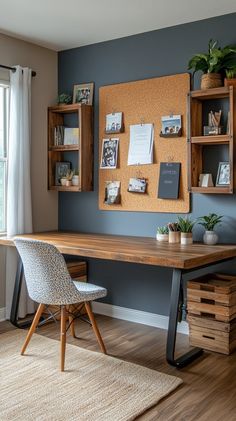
x,y
147,55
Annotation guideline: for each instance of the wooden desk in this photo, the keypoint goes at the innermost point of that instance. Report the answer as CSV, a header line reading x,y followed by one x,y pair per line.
x,y
148,251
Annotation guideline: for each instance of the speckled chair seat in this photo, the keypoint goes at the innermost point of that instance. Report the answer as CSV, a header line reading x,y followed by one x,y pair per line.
x,y
49,283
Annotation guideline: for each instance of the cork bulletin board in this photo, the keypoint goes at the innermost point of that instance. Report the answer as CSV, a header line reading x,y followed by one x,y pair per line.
x,y
146,101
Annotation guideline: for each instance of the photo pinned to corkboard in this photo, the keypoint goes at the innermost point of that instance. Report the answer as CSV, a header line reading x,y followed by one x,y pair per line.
x,y
148,100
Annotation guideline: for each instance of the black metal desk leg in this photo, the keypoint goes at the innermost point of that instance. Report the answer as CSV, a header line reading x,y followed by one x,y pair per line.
x,y
16,297
172,328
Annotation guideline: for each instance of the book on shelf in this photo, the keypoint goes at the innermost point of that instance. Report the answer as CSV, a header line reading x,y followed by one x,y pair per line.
x,y
66,135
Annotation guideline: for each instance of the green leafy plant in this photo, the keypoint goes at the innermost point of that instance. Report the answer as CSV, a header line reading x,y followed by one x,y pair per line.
x,y
64,99
231,73
216,60
162,230
210,221
185,224
173,226
69,175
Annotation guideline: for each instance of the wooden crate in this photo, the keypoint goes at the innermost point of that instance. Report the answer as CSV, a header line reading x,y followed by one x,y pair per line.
x,y
212,335
213,296
78,272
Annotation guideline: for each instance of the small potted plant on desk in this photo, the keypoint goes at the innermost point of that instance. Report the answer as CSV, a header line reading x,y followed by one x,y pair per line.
x,y
209,222
186,227
174,232
162,234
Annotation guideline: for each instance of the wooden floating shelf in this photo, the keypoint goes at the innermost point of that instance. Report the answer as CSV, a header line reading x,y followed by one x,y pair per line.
x,y
64,109
211,140
64,188
205,94
212,190
64,148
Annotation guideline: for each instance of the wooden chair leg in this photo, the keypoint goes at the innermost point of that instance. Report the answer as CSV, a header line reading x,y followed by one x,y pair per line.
x,y
72,326
63,336
95,327
33,327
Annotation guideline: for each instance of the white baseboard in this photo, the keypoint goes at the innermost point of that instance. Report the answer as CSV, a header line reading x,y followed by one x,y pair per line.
x,y
137,316
2,314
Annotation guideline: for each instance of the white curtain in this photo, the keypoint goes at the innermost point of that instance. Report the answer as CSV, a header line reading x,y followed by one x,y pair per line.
x,y
19,208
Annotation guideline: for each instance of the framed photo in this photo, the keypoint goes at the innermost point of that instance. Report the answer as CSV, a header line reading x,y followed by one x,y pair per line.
x,y
223,175
83,94
114,123
137,185
109,153
61,170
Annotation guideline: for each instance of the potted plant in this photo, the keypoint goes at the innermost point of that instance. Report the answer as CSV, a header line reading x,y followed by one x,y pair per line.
x,y
162,234
64,99
67,179
230,79
174,232
209,222
75,178
213,64
186,227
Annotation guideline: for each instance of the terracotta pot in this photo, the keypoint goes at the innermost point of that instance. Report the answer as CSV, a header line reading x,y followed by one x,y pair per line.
x,y
186,238
230,82
211,80
174,236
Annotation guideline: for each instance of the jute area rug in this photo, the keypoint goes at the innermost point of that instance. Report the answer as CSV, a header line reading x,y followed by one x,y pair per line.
x,y
94,387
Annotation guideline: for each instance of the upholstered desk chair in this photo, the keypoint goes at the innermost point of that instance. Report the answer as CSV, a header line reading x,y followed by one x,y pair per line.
x,y
49,283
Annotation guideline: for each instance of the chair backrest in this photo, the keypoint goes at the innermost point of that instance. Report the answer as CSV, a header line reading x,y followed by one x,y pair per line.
x,y
47,278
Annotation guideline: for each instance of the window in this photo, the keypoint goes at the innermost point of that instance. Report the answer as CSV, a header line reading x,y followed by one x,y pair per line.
x,y
4,115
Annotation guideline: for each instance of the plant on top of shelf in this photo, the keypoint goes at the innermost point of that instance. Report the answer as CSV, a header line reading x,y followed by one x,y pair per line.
x,y
64,99
213,63
230,79
66,180
209,222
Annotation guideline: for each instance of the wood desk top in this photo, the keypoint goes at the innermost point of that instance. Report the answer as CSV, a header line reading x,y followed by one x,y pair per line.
x,y
143,250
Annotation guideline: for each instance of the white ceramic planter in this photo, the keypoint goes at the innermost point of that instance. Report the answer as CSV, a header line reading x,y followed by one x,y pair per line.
x,y
75,180
162,237
174,236
186,238
63,181
210,238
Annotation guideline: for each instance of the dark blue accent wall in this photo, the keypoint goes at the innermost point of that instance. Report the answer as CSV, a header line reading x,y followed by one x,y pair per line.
x,y
152,54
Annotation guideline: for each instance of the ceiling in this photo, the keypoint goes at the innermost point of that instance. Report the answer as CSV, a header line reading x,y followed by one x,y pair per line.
x,y
61,25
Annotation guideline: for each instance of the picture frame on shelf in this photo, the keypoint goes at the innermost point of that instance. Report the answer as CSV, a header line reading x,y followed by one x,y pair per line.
x,y
61,169
83,93
223,174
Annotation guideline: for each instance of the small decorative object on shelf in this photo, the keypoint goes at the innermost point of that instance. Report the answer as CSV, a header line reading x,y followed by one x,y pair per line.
x,y
213,64
162,234
114,123
61,169
230,79
63,99
69,177
83,94
223,175
205,180
186,227
171,126
213,127
174,232
75,178
209,222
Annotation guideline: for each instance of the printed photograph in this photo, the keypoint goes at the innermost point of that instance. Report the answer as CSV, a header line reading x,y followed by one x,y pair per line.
x,y
109,153
223,175
137,185
171,124
112,192
114,122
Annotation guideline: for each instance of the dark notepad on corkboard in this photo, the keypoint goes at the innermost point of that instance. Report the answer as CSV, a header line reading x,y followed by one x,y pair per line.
x,y
169,180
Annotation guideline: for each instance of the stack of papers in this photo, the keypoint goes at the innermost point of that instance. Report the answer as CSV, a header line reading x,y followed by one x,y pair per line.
x,y
141,144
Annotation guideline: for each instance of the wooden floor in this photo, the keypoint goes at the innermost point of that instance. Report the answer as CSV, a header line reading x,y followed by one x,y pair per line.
x,y
209,389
